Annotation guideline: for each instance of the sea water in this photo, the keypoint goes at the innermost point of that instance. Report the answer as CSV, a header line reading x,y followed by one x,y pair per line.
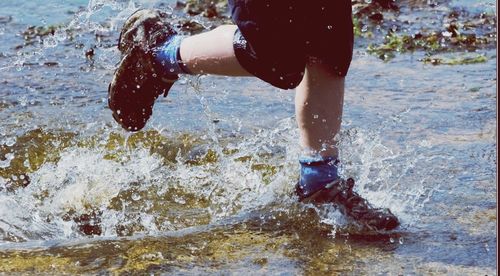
x,y
207,186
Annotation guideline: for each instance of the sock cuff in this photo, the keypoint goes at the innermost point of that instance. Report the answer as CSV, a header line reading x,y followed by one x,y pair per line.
x,y
316,172
318,160
168,55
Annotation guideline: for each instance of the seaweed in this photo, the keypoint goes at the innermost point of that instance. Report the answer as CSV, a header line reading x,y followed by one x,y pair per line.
x,y
446,41
382,28
459,60
34,32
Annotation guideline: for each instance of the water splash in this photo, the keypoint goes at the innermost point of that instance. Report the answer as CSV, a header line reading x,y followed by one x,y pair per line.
x,y
134,190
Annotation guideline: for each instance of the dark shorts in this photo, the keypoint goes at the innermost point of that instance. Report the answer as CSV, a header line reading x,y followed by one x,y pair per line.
x,y
275,38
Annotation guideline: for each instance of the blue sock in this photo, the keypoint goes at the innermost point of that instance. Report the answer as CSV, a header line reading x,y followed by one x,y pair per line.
x,y
316,172
168,55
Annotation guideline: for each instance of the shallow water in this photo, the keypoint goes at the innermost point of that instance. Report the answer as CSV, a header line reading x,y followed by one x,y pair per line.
x,y
206,187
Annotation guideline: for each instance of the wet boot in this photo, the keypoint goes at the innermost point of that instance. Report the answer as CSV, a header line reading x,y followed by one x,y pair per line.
x,y
140,78
340,193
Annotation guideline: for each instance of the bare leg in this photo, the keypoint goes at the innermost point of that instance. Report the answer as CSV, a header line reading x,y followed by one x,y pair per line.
x,y
318,106
212,53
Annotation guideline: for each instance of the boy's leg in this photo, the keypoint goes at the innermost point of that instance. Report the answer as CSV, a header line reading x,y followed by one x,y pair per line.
x,y
318,106
212,52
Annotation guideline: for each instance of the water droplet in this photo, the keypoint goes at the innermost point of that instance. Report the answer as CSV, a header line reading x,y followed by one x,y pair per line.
x,y
9,142
6,163
23,100
179,200
315,116
329,27
446,34
136,196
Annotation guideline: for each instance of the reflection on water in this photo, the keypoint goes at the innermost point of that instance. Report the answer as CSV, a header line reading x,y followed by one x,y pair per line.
x,y
207,187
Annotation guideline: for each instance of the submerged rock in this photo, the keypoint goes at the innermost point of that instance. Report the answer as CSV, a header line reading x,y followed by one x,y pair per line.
x,y
5,19
88,223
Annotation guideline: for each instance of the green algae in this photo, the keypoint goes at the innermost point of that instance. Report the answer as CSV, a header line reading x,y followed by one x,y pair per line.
x,y
26,263
457,60
430,43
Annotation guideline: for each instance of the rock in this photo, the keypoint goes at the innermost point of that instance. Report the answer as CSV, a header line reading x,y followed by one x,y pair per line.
x,y
5,19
